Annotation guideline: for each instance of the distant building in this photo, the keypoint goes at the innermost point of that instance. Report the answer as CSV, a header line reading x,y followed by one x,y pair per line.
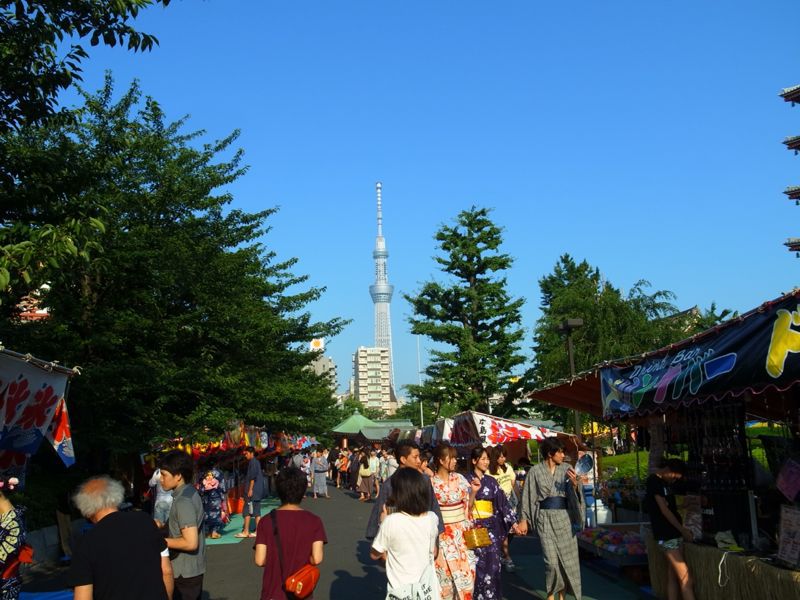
x,y
324,366
30,307
373,380
792,94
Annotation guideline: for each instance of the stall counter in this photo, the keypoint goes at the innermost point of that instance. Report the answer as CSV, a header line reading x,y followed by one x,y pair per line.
x,y
742,577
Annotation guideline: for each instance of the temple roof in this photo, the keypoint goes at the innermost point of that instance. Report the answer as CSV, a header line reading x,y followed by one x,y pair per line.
x,y
793,142
793,191
793,244
791,94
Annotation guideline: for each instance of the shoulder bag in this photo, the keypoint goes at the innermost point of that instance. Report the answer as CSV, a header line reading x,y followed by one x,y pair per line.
x,y
302,582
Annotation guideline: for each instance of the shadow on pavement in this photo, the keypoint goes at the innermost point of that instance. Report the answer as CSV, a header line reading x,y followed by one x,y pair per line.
x,y
370,585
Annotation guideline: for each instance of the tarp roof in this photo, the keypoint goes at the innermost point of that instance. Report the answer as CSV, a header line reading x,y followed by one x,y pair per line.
x,y
755,353
353,424
377,433
395,423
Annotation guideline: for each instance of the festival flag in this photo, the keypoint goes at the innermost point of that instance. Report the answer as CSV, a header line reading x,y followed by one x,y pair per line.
x,y
59,434
29,397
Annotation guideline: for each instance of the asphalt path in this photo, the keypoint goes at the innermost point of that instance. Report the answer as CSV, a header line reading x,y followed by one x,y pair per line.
x,y
347,570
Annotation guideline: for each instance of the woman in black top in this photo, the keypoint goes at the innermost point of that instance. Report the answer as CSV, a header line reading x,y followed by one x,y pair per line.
x,y
668,530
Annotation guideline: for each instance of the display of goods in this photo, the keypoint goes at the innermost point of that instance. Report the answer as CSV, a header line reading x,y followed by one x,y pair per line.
x,y
625,543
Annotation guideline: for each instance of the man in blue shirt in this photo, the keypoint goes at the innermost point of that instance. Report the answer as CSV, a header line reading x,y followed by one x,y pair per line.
x,y
253,492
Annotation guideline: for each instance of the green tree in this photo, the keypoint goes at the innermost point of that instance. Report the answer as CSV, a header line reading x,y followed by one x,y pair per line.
x,y
351,405
33,32
431,411
186,320
41,54
471,316
615,325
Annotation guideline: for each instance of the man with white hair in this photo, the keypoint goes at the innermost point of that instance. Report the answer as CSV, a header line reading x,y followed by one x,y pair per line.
x,y
123,557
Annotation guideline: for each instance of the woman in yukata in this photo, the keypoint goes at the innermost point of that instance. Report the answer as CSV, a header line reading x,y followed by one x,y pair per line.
x,y
12,538
492,511
212,493
455,564
319,465
550,504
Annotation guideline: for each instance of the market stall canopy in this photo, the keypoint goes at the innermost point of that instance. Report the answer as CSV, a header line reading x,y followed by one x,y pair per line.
x,y
353,424
378,433
473,428
755,355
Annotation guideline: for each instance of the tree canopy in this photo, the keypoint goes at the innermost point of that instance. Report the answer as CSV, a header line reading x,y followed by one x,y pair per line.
x,y
615,325
471,316
185,319
41,52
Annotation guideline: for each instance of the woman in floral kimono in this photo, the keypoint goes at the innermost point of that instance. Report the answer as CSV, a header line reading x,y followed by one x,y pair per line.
x,y
212,493
492,511
551,504
12,537
455,563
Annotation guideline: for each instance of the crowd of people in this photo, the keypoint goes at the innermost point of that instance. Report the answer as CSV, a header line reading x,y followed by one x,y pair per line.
x,y
474,506
440,522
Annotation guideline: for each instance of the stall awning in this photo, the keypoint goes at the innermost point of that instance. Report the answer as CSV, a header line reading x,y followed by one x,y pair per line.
x,y
353,424
581,394
756,354
473,428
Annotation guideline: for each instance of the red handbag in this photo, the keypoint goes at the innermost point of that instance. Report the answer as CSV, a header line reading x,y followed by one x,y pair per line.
x,y
302,582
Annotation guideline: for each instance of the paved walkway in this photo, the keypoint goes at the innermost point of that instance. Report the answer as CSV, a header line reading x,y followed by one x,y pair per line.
x,y
348,572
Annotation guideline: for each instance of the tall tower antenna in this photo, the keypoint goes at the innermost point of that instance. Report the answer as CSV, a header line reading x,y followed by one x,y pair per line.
x,y
381,291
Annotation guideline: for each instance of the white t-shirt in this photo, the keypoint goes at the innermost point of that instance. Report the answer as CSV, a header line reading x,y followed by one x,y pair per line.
x,y
404,539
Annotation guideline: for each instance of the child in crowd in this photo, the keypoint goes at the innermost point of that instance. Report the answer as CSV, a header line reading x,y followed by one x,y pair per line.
x,y
408,538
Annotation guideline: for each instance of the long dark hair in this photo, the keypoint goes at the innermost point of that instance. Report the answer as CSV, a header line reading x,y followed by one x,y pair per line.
x,y
494,456
475,455
363,459
411,492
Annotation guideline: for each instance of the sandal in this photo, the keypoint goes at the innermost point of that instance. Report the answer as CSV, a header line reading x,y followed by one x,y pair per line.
x,y
241,534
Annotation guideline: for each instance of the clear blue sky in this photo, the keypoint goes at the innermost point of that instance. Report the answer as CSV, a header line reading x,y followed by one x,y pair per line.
x,y
642,136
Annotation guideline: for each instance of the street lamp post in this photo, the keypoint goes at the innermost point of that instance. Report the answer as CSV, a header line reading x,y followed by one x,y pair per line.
x,y
567,327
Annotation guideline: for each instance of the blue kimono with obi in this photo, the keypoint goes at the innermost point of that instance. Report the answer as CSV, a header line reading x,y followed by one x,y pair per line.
x,y
498,521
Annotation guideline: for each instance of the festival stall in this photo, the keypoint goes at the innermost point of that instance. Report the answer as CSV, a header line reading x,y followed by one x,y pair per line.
x,y
226,453
695,398
471,429
359,429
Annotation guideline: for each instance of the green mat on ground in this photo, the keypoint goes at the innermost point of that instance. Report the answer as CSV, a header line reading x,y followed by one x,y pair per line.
x,y
234,526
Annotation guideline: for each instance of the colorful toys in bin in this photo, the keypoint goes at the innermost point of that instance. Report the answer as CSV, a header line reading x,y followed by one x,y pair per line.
x,y
618,542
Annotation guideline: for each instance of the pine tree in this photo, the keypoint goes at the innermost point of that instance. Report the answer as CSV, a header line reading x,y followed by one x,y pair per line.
x,y
471,317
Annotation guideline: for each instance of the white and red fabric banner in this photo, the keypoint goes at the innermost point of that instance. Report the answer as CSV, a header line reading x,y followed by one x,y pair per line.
x,y
473,428
30,397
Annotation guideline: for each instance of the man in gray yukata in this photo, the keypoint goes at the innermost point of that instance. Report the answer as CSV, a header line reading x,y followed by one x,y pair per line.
x,y
551,504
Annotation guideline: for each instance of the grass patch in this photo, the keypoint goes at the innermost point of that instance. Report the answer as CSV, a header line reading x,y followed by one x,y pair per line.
x,y
625,465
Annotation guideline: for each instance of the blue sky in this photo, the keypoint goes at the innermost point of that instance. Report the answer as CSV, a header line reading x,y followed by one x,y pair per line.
x,y
644,137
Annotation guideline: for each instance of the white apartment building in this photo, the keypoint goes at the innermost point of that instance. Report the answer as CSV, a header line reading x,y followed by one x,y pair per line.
x,y
372,376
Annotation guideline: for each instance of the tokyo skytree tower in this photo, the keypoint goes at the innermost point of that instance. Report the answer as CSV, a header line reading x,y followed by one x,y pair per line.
x,y
381,291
